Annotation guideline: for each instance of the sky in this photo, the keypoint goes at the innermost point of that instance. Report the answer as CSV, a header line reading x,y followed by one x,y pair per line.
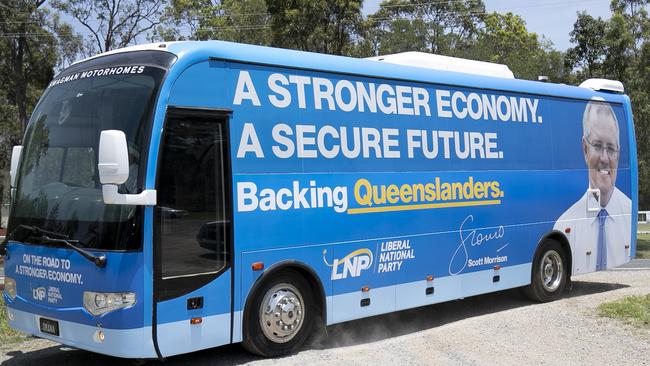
x,y
552,18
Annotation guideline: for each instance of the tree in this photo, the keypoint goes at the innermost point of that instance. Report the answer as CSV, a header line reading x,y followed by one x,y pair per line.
x,y
504,39
69,43
112,23
27,53
635,14
453,25
393,29
180,20
619,44
325,26
588,34
446,27
9,137
29,49
627,58
244,21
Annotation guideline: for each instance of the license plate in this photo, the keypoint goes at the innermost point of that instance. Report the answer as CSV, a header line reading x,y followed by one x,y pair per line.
x,y
49,326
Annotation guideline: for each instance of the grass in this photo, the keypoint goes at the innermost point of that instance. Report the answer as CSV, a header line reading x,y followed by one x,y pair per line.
x,y
8,335
633,310
643,246
643,227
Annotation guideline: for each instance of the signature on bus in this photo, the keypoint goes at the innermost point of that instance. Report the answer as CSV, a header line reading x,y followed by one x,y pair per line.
x,y
470,237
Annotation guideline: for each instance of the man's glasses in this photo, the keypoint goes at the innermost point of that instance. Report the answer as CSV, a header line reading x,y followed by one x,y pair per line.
x,y
600,147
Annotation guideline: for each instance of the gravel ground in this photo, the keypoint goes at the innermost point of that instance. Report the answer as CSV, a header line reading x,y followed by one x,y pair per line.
x,y
501,328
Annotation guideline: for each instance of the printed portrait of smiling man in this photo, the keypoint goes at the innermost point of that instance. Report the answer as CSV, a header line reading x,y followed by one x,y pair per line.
x,y
600,144
599,223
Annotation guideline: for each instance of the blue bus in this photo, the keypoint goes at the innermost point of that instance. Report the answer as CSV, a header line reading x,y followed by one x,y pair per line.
x,y
180,196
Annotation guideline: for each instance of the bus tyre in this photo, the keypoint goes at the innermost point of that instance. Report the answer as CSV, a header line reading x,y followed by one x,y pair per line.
x,y
281,315
550,273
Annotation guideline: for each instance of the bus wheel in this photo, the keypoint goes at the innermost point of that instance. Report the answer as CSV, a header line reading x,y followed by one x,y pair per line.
x,y
281,316
550,273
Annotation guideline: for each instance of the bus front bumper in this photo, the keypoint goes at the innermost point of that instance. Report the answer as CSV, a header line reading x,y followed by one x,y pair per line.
x,y
126,343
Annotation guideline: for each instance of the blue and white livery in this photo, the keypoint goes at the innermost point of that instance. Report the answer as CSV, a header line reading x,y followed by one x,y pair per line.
x,y
175,197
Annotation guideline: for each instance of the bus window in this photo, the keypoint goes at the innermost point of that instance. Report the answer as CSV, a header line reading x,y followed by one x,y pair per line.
x,y
79,167
59,188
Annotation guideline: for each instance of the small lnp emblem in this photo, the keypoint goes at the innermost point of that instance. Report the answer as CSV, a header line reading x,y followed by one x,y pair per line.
x,y
38,293
352,264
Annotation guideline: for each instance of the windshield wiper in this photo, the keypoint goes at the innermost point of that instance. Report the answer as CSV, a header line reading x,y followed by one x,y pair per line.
x,y
54,237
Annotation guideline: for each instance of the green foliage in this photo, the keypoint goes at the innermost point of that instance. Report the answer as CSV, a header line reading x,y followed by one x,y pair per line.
x,y
395,28
69,44
635,14
324,26
446,27
630,58
618,44
8,335
244,21
29,51
643,243
633,310
644,174
462,29
10,134
403,35
588,34
504,39
26,53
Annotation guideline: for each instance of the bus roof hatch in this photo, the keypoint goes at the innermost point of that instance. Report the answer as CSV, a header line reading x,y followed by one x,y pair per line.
x,y
446,63
606,85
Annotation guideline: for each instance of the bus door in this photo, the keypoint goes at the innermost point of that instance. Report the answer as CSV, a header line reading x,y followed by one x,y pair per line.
x,y
192,233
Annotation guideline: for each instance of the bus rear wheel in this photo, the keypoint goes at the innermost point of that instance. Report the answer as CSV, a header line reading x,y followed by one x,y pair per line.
x,y
550,273
281,315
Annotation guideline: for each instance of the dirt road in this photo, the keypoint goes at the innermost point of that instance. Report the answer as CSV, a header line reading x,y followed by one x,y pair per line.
x,y
501,328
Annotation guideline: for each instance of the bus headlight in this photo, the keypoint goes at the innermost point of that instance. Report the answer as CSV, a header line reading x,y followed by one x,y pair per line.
x,y
10,287
98,303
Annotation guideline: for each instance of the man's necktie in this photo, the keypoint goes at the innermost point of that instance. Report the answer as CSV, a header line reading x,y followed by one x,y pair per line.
x,y
601,258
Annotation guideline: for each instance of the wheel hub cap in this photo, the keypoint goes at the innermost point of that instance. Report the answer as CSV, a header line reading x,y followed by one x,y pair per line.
x,y
281,314
552,270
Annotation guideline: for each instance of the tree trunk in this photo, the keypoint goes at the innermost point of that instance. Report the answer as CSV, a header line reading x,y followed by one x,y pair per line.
x,y
20,81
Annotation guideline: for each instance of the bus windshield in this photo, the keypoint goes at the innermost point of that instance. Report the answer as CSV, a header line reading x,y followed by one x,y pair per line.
x,y
58,187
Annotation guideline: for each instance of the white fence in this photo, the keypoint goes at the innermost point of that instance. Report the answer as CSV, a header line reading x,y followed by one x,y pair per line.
x,y
644,217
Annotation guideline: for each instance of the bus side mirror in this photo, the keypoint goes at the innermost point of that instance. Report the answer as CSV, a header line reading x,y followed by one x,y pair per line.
x,y
15,159
113,165
113,168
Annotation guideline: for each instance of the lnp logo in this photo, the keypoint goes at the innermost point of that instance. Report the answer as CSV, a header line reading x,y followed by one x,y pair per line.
x,y
353,263
38,293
